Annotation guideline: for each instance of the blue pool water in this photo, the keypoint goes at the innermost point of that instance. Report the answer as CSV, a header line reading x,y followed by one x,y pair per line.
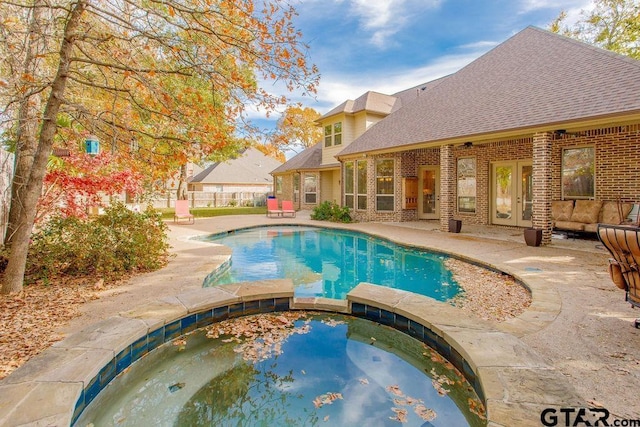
x,y
329,263
322,370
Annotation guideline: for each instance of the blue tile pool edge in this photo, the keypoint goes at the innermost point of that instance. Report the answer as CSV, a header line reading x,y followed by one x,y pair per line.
x,y
167,333
176,328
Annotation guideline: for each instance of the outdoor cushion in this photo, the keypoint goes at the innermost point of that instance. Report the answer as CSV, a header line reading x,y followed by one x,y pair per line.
x,y
586,211
570,225
561,210
610,213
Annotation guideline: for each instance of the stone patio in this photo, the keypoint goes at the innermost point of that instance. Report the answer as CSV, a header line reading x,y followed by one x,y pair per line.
x,y
574,347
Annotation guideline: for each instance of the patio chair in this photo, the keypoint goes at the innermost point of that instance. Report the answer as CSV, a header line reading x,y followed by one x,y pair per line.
x,y
287,208
623,242
272,208
182,212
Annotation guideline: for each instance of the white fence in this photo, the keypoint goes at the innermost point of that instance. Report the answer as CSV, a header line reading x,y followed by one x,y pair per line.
x,y
203,199
6,174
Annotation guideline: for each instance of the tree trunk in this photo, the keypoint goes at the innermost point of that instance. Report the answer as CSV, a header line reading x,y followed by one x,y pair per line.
x,y
182,183
14,274
28,122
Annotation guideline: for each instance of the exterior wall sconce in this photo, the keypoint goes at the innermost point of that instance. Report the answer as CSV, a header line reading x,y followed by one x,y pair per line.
x,y
468,144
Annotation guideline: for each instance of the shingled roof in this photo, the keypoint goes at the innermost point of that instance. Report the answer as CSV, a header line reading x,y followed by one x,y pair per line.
x,y
310,158
250,167
535,78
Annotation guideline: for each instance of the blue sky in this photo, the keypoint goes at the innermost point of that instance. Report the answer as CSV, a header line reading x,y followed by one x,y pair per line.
x,y
391,45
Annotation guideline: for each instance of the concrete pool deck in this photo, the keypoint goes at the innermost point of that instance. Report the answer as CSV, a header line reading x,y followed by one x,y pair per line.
x,y
578,332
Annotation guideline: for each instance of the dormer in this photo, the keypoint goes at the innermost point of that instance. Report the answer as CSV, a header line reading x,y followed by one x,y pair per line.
x,y
342,125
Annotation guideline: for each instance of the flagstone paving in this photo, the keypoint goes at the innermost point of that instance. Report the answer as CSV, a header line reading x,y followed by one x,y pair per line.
x,y
574,346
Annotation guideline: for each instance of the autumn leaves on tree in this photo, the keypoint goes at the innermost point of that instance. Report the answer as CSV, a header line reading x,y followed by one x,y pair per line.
x,y
159,83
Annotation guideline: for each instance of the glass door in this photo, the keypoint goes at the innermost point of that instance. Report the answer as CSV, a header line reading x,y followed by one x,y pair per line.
x,y
429,194
525,192
512,193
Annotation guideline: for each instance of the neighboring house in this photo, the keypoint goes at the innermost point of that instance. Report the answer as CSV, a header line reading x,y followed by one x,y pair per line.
x,y
249,172
539,118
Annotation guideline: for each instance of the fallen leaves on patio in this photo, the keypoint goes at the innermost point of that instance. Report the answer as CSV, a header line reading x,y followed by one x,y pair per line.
x,y
28,319
487,294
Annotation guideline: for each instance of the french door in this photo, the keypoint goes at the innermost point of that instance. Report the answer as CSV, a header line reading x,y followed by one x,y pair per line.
x,y
429,194
512,193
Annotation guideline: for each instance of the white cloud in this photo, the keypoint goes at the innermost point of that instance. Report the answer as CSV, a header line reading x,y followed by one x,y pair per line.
x,y
384,18
335,89
530,5
480,45
572,8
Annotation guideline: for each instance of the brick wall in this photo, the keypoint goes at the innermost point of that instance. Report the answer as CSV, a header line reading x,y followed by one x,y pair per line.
x,y
410,164
447,185
371,214
617,161
542,184
617,172
516,149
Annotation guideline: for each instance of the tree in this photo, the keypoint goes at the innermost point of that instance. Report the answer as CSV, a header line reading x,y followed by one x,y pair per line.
x,y
612,24
170,78
296,129
81,181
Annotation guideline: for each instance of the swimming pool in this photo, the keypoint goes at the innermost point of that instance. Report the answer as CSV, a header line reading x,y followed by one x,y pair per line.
x,y
314,369
329,262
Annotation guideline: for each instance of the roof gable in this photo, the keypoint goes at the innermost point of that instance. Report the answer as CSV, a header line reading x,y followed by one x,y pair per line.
x,y
534,78
250,167
369,101
310,158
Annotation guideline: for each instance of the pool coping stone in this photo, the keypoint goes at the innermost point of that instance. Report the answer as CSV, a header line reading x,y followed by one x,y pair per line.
x,y
516,384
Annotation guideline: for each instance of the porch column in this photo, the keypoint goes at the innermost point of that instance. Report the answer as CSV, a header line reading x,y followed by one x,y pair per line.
x,y
542,196
447,186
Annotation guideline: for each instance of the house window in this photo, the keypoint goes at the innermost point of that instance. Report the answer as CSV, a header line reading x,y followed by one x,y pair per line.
x,y
296,187
337,133
578,173
310,189
327,135
278,185
467,185
333,134
362,184
384,185
348,185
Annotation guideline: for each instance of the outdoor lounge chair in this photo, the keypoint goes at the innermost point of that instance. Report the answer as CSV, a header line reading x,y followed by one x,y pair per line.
x,y
182,212
287,208
623,242
272,207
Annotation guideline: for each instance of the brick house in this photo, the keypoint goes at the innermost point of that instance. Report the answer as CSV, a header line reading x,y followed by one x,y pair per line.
x,y
539,118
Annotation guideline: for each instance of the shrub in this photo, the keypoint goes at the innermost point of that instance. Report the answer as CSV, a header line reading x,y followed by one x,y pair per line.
x,y
330,211
118,241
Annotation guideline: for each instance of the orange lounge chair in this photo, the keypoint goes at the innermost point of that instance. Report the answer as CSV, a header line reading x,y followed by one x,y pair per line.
x,y
272,207
287,208
182,211
623,243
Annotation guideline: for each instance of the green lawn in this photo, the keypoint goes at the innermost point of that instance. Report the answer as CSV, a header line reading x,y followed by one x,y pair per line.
x,y
167,213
